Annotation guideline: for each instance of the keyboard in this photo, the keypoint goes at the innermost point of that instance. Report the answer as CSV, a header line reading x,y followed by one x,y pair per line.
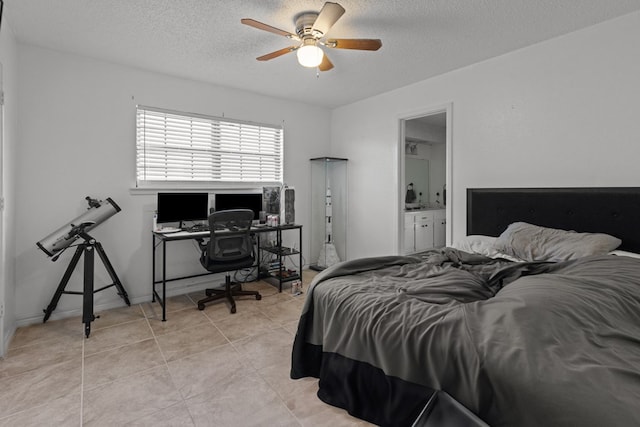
x,y
169,230
196,228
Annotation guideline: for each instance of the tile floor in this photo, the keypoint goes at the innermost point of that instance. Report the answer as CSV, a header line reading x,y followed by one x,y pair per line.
x,y
199,368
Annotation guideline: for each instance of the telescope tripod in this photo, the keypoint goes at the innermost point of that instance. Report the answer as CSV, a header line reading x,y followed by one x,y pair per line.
x,y
87,248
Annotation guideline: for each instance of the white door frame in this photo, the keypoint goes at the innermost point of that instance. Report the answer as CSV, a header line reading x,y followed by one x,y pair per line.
x,y
3,270
443,108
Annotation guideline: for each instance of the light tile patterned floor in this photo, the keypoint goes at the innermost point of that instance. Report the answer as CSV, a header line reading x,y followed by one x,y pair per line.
x,y
199,368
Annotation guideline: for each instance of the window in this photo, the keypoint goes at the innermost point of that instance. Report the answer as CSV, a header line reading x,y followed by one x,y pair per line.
x,y
191,148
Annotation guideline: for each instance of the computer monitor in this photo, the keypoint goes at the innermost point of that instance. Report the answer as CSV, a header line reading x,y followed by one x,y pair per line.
x,y
174,207
226,201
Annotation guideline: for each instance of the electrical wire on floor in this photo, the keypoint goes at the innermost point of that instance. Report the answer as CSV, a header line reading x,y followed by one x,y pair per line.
x,y
248,275
251,274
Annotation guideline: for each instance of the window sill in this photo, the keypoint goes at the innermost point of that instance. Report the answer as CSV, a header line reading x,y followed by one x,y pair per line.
x,y
153,188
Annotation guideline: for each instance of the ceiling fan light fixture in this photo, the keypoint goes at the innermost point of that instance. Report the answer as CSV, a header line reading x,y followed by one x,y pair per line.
x,y
310,55
310,33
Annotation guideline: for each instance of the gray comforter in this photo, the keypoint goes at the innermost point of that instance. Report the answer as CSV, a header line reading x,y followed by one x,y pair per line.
x,y
519,344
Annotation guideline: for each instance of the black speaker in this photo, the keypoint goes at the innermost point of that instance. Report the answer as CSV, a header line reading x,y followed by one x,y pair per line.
x,y
288,198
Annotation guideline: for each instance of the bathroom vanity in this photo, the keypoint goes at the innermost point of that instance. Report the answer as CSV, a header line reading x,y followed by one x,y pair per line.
x,y
424,229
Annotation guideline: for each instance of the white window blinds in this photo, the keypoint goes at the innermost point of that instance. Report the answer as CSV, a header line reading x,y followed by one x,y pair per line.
x,y
185,147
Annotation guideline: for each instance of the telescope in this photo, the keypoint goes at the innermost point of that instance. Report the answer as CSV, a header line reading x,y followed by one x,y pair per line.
x,y
98,212
55,243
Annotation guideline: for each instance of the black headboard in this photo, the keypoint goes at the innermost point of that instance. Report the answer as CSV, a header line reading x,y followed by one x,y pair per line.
x,y
612,210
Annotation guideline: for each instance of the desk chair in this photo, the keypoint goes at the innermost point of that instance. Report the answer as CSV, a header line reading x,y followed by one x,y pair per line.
x,y
229,248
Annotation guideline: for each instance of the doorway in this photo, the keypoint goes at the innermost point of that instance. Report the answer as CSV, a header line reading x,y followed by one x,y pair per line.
x,y
3,270
425,174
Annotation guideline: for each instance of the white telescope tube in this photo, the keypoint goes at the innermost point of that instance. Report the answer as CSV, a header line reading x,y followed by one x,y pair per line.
x,y
69,233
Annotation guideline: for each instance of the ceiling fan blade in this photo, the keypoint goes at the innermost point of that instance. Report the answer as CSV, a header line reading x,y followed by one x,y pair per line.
x,y
262,26
328,16
326,64
277,53
359,44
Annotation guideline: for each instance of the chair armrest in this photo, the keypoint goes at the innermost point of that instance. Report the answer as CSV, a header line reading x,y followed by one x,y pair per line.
x,y
202,244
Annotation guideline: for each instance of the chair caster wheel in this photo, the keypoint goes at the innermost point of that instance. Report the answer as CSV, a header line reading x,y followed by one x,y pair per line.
x,y
200,306
258,297
233,309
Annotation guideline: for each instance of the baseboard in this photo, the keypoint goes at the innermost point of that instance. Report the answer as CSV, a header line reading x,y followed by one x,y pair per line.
x,y
192,286
7,340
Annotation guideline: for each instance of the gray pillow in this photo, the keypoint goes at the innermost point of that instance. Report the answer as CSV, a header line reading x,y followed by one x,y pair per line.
x,y
533,243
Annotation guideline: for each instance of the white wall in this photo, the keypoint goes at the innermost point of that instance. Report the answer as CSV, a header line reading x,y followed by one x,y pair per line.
x,y
561,113
8,58
77,139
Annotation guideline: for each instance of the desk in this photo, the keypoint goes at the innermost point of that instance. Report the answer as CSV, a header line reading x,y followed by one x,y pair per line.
x,y
279,252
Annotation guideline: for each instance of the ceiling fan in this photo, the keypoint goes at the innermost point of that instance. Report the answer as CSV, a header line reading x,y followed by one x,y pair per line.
x,y
311,32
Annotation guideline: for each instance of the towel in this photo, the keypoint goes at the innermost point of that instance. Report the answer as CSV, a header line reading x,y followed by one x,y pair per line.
x,y
411,196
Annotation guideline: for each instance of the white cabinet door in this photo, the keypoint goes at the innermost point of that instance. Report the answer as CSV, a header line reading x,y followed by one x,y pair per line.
x,y
424,235
409,240
439,228
439,233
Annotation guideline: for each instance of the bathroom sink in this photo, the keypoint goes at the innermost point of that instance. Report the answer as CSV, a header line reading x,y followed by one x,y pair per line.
x,y
422,207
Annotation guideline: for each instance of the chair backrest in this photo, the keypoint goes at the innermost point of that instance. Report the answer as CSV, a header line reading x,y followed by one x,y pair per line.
x,y
230,238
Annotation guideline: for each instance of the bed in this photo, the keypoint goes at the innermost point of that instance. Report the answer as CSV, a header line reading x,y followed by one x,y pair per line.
x,y
524,322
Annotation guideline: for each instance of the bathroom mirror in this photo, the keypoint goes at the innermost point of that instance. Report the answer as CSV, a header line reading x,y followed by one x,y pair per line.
x,y
417,172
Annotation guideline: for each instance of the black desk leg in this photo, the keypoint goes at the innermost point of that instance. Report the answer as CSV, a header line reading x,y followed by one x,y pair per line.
x,y
153,268
280,258
164,280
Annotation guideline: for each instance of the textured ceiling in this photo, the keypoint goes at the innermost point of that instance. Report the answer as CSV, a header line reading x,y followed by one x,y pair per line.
x,y
204,39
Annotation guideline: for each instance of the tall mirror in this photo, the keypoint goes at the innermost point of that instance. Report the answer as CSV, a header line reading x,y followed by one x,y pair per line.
x,y
425,161
417,179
